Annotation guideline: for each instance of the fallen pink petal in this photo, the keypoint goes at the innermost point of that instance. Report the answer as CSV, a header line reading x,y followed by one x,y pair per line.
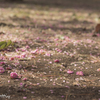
x,y
24,97
56,61
79,73
98,69
12,58
24,79
49,49
13,75
70,72
2,70
2,63
8,68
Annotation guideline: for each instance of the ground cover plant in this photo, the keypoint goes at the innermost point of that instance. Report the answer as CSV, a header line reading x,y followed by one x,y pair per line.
x,y
54,55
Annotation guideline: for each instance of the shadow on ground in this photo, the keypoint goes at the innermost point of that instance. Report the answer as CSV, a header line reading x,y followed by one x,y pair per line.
x,y
49,93
91,5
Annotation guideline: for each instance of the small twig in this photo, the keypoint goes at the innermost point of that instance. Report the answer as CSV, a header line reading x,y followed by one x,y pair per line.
x,y
67,95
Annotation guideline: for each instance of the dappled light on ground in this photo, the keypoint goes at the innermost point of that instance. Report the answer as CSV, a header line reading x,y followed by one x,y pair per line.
x,y
54,56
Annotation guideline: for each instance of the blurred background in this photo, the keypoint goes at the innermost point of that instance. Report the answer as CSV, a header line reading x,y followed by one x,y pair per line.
x,y
80,4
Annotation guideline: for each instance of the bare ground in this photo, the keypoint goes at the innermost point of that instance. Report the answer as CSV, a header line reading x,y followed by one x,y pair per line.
x,y
44,31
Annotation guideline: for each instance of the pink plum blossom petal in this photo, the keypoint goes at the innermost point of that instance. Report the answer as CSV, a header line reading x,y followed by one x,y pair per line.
x,y
70,72
79,73
8,68
12,58
24,79
13,75
98,69
17,56
8,81
20,76
27,47
38,83
34,52
62,96
48,54
56,61
2,63
24,97
2,70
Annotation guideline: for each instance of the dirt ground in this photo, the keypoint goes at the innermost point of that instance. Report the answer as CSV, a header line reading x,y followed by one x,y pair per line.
x,y
53,41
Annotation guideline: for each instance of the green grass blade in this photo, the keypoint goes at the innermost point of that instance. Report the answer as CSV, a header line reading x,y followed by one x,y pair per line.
x,y
3,46
8,43
2,42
